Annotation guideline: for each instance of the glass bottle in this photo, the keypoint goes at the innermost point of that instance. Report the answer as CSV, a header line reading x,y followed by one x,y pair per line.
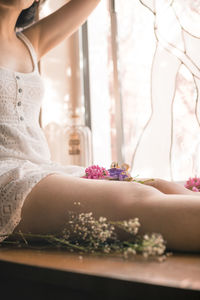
x,y
78,142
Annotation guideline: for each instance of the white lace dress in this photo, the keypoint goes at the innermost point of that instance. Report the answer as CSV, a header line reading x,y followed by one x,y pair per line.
x,y
24,153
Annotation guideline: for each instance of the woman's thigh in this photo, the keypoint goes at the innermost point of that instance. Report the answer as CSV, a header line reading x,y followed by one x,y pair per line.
x,y
47,206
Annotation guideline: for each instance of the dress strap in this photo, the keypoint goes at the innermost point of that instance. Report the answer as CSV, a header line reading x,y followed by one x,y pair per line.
x,y
30,48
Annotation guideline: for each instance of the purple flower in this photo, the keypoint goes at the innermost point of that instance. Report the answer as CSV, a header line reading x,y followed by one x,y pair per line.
x,y
118,174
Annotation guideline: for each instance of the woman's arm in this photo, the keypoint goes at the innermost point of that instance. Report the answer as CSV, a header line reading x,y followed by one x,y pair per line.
x,y
53,29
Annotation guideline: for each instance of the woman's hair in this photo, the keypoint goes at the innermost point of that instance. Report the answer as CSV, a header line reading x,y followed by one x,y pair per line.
x,y
28,16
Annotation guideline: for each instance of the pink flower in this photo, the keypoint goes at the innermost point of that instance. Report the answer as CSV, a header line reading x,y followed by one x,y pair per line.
x,y
193,184
194,189
95,172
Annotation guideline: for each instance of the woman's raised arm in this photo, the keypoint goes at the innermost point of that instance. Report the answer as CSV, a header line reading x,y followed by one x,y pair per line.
x,y
53,29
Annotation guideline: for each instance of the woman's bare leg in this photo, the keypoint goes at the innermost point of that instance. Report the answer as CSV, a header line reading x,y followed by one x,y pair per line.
x,y
169,187
46,207
176,217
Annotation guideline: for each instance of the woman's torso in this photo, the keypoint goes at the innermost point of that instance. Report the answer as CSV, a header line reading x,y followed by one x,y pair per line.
x,y
20,101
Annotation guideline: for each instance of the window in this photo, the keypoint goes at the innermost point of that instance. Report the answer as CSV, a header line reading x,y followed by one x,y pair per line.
x,y
144,79
159,85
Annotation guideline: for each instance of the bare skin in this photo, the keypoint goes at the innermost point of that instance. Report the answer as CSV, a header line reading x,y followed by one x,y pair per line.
x,y
161,207
176,216
169,187
44,35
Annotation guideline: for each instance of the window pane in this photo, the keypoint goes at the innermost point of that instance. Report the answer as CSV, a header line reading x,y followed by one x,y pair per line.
x,y
159,71
98,31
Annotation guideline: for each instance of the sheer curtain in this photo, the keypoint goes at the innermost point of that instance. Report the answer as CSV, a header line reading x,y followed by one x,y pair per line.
x,y
168,145
144,86
61,72
158,66
53,70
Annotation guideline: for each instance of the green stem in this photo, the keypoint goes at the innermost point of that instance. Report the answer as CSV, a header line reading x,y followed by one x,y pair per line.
x,y
49,238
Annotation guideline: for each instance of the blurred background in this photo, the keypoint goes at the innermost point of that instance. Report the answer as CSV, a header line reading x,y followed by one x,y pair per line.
x,y
125,88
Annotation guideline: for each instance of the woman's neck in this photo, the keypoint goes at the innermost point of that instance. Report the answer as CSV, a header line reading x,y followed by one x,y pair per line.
x,y
8,19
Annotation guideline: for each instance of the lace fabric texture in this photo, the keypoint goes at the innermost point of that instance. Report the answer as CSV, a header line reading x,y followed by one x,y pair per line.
x,y
24,153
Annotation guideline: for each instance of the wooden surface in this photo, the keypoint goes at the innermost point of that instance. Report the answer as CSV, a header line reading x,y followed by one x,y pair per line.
x,y
101,277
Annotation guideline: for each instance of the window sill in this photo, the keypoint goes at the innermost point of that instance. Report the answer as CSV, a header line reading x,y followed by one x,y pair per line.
x,y
52,274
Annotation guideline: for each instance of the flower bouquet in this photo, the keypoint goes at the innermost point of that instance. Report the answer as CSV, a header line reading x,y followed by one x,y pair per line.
x,y
115,172
193,184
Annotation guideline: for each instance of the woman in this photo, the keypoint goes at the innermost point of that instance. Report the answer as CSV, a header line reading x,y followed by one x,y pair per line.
x,y
35,193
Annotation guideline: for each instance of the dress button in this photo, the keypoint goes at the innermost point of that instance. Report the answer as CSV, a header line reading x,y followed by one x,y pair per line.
x,y
17,77
19,103
21,118
20,90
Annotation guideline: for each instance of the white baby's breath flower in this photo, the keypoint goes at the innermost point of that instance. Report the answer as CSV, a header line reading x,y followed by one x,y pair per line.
x,y
99,234
146,237
129,252
102,219
87,229
106,249
131,226
153,245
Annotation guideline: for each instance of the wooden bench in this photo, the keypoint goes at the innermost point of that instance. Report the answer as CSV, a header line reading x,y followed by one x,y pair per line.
x,y
56,274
